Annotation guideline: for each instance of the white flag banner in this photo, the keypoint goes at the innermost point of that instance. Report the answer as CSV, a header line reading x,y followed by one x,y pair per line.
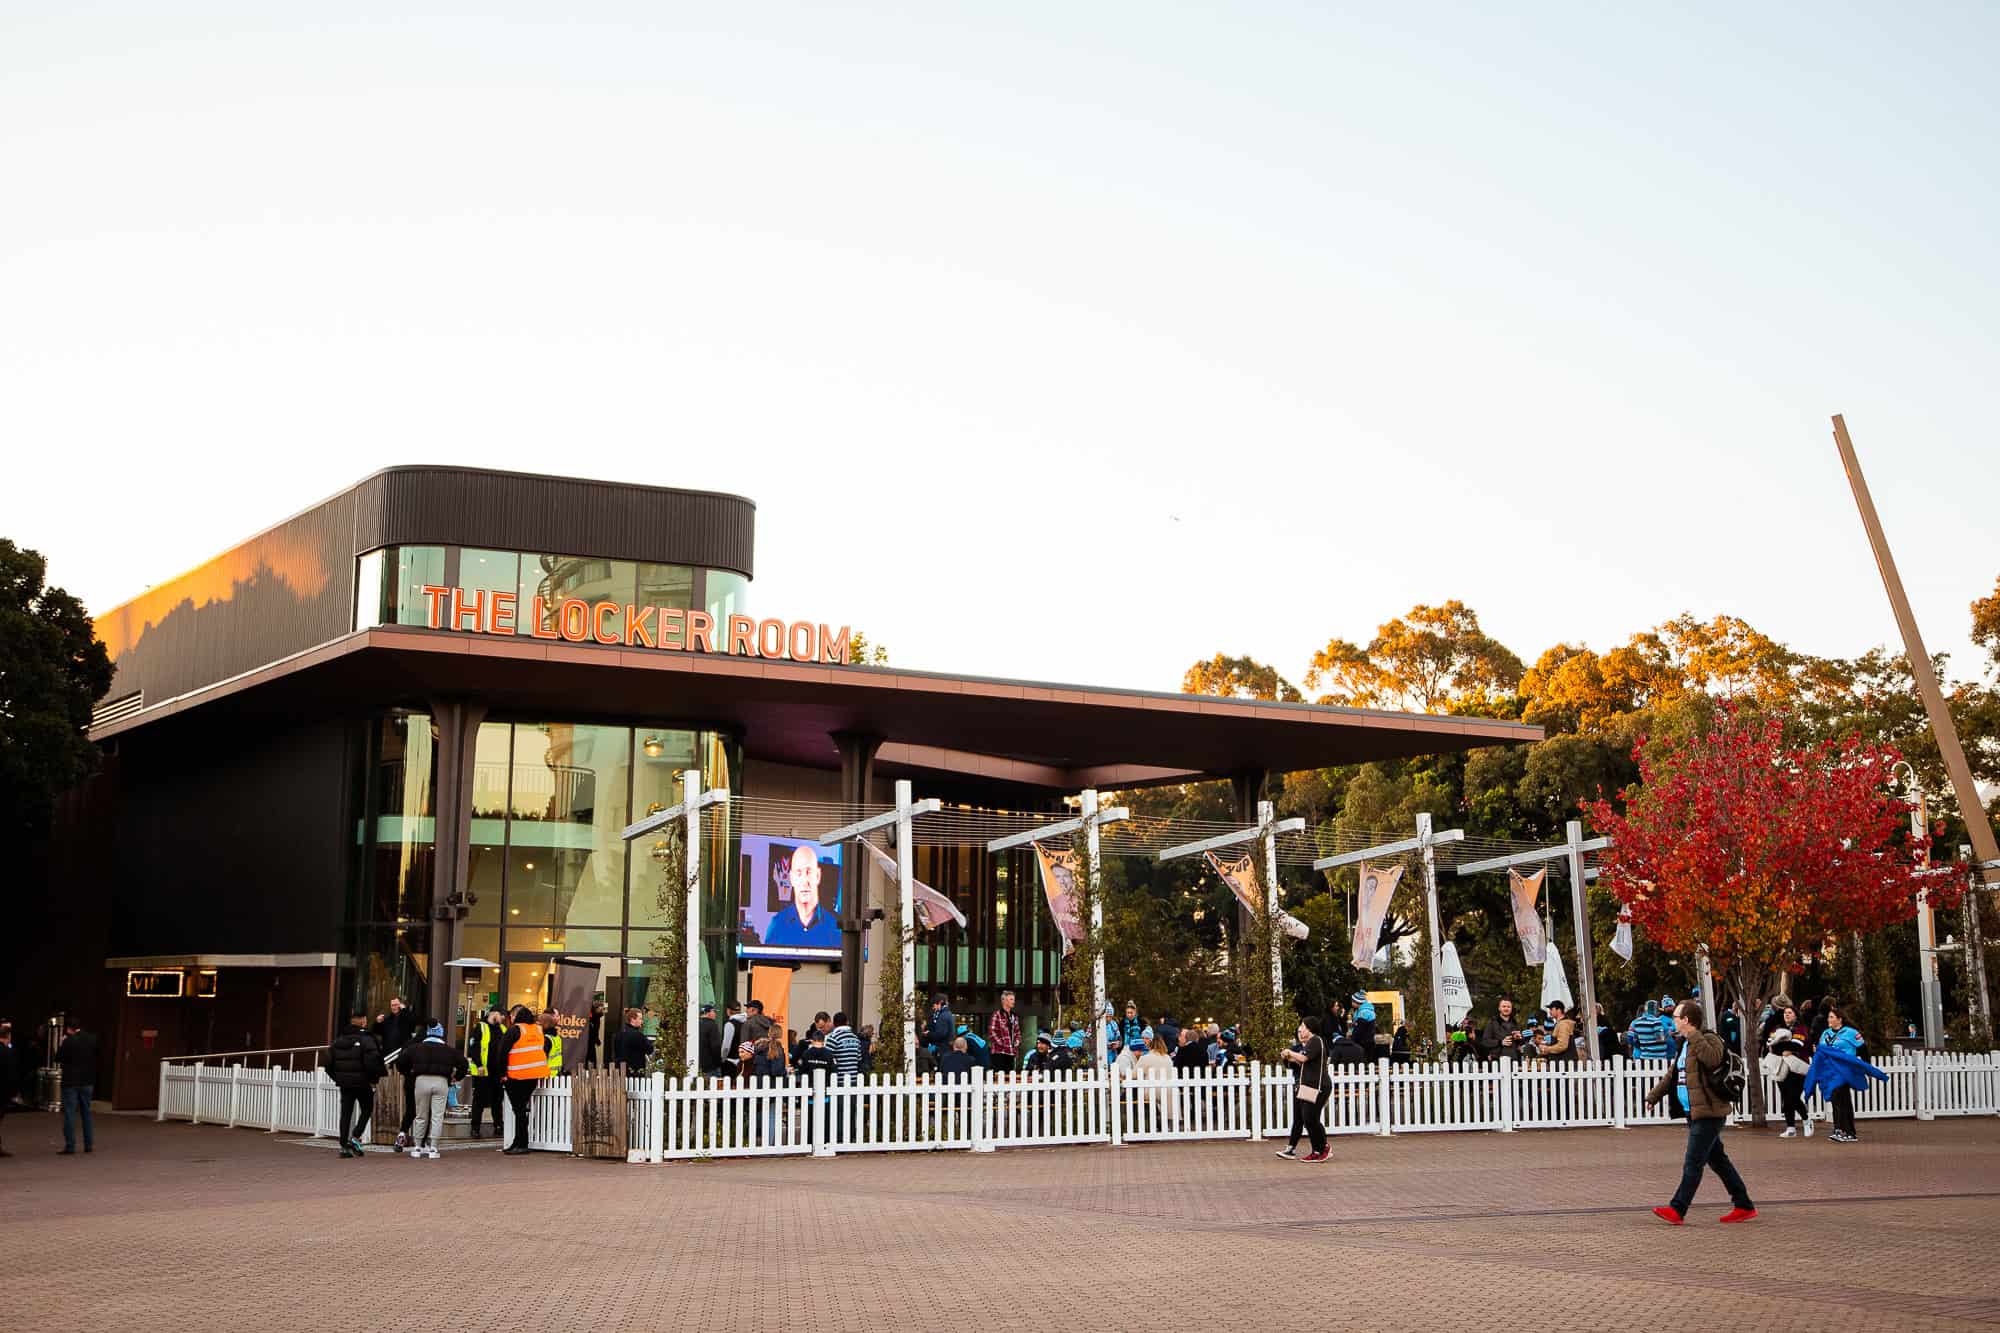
x,y
1524,889
1451,980
1555,981
933,908
1621,939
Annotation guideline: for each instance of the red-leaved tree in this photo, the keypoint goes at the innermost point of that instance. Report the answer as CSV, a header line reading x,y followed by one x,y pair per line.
x,y
1760,851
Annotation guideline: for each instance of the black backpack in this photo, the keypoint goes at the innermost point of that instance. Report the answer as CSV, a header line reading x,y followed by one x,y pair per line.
x,y
1726,1081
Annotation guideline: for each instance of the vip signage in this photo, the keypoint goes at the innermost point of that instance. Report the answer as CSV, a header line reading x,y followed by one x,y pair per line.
x,y
154,984
623,624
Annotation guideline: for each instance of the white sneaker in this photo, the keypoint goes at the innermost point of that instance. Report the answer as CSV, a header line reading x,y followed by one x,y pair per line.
x,y
1808,1126
1290,1153
431,1153
1789,1133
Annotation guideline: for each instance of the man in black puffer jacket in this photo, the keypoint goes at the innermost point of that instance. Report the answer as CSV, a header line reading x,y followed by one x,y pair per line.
x,y
354,1063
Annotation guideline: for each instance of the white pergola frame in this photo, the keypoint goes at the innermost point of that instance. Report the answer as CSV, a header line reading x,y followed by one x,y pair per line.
x,y
693,801
1090,821
1427,843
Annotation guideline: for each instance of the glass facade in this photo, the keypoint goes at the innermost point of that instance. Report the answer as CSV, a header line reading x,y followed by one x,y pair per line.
x,y
390,582
550,874
1008,942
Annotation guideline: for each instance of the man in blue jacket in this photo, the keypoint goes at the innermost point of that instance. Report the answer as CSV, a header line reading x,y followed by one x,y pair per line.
x,y
938,1032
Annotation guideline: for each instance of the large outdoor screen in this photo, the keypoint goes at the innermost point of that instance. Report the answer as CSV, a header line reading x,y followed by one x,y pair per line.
x,y
791,892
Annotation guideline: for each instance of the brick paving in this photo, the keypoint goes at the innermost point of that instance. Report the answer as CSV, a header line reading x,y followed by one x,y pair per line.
x,y
173,1226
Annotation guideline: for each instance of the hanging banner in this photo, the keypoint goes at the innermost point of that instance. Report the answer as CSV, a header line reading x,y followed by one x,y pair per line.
x,y
1621,939
1451,981
1241,877
574,986
933,908
1555,981
1059,888
1525,889
1371,908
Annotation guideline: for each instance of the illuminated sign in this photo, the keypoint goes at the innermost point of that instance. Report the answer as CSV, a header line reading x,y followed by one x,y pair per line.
x,y
204,984
155,985
626,625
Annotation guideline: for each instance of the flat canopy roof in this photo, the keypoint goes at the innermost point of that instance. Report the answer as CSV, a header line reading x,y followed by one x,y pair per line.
x,y
1048,735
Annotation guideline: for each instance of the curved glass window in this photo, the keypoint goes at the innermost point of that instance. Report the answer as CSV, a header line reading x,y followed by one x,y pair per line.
x,y
389,588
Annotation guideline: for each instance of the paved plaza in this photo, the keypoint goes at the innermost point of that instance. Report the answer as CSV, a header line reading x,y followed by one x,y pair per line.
x,y
179,1226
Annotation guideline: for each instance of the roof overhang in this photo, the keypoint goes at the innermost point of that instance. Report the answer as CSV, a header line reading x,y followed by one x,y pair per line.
x,y
1031,733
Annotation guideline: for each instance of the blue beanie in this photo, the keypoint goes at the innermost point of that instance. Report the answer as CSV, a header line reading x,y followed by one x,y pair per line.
x,y
434,1030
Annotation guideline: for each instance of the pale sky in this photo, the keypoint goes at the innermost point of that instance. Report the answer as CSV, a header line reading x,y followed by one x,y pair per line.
x,y
1072,342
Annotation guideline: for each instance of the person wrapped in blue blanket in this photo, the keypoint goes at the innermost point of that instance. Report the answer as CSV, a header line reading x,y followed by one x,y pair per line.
x,y
1838,1069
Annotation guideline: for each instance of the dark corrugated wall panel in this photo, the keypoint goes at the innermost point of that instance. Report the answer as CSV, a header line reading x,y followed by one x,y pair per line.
x,y
291,588
243,844
285,590
510,511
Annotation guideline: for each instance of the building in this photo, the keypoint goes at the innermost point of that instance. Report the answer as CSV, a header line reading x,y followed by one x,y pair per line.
x,y
409,723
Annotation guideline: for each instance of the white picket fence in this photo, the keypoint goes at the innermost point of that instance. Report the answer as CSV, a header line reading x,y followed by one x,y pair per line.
x,y
678,1119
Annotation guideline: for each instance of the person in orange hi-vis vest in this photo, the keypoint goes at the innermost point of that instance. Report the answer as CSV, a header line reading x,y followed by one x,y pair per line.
x,y
527,1063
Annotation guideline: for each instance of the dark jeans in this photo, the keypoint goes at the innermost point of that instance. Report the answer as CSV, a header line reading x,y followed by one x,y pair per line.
x,y
1789,1088
356,1105
1002,1062
1308,1117
1704,1148
485,1095
1843,1110
519,1092
76,1106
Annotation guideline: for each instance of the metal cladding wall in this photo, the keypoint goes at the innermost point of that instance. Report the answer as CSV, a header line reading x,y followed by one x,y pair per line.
x,y
285,590
513,511
291,587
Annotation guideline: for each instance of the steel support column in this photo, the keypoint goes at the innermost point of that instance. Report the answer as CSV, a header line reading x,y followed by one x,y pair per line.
x,y
457,722
857,785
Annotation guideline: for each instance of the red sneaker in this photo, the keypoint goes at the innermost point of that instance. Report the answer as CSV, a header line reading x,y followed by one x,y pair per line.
x,y
1319,1156
1739,1215
1668,1215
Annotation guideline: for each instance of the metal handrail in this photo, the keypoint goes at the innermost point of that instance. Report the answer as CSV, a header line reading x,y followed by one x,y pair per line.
x,y
243,1057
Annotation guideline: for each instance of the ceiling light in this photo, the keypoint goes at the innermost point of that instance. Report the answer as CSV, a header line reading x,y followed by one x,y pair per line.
x,y
653,747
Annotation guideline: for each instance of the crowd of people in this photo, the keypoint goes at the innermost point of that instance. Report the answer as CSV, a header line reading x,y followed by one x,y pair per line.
x,y
507,1054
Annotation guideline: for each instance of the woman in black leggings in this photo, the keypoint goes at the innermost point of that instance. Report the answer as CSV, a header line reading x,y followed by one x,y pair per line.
x,y
1787,1060
1310,1094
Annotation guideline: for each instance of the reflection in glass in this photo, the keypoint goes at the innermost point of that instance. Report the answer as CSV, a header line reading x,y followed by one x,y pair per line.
x,y
658,758
488,572
416,566
668,587
404,827
568,807
557,578
487,840
368,590
728,595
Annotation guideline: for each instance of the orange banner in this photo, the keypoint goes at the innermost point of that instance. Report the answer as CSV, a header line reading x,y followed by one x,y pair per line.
x,y
1371,908
1059,888
1240,875
1524,890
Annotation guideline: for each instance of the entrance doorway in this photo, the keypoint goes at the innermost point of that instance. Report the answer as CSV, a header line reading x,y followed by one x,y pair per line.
x,y
589,992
